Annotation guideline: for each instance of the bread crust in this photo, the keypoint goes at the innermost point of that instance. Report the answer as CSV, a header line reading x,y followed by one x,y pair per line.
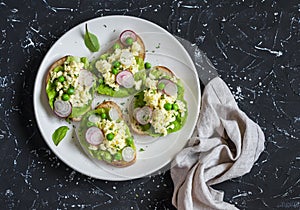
x,y
60,62
111,104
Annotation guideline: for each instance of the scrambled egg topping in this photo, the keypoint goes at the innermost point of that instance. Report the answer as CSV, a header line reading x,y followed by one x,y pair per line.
x,y
161,118
127,60
119,140
71,72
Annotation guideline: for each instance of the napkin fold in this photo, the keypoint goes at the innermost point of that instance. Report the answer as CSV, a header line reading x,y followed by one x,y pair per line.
x,y
225,145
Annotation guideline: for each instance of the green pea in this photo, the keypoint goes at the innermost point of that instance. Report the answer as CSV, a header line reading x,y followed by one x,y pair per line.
x,y
110,136
115,71
103,115
101,81
176,125
107,156
161,86
147,65
116,64
61,78
101,154
129,141
168,106
175,107
96,154
116,46
85,61
65,97
118,156
70,90
129,41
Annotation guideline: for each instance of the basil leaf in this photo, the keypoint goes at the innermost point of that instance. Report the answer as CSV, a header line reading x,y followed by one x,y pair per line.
x,y
91,40
59,134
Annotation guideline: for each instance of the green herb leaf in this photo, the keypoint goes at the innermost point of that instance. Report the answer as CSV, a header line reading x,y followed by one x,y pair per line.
x,y
91,40
141,149
59,134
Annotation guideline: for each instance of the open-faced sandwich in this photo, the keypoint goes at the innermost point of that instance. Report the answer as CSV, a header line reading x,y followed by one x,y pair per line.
x,y
121,69
160,109
70,87
105,136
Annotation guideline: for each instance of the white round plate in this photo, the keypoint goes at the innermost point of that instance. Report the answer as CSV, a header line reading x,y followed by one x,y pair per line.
x,y
162,49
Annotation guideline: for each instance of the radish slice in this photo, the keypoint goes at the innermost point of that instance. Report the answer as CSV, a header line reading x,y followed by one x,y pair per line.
x,y
127,34
113,114
128,154
171,89
86,78
135,111
125,78
143,115
62,108
94,136
94,118
126,58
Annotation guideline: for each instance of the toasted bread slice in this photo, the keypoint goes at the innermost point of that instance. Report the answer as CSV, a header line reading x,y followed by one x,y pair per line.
x,y
135,125
113,88
104,154
73,116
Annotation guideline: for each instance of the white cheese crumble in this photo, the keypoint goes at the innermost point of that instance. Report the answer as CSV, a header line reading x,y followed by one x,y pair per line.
x,y
127,60
152,97
181,107
71,72
151,83
120,135
161,118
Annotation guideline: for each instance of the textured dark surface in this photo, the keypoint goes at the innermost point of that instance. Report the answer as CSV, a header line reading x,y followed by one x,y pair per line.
x,y
253,44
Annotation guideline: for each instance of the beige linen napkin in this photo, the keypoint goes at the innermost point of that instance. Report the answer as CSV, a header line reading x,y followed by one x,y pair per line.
x,y
225,145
